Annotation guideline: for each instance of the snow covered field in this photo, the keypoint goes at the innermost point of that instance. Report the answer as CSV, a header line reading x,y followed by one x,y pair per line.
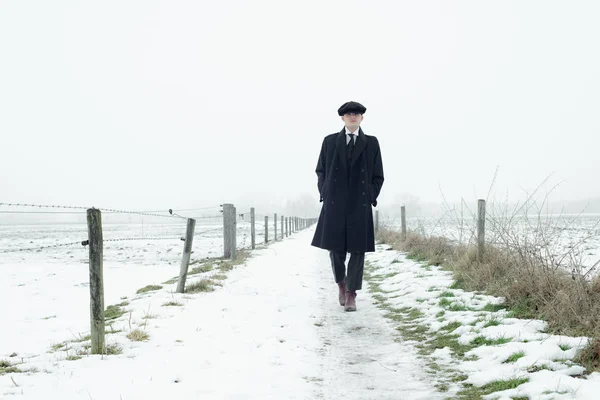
x,y
48,288
272,329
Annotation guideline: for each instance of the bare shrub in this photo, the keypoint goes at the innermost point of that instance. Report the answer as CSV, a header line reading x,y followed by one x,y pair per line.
x,y
537,260
589,357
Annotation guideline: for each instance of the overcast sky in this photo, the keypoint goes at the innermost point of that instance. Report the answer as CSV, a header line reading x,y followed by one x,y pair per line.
x,y
145,104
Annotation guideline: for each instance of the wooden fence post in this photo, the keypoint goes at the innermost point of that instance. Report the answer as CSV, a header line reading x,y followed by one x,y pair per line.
x,y
480,229
252,229
403,221
95,241
226,237
187,253
275,227
234,233
266,229
286,227
229,234
376,221
282,218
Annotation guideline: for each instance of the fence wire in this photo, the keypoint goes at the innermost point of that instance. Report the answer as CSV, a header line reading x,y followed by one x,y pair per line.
x,y
44,247
43,212
259,222
106,210
208,231
42,206
170,211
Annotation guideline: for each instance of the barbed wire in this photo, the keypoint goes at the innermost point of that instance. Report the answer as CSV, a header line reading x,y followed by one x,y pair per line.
x,y
256,221
172,214
258,218
151,213
86,242
43,247
42,206
261,222
42,212
139,238
176,215
207,231
185,209
107,210
249,213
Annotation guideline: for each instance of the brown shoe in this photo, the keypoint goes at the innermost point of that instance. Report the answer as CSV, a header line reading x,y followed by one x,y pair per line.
x,y
350,303
342,292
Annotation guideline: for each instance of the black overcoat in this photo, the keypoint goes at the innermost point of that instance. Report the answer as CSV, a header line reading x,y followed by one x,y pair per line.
x,y
348,190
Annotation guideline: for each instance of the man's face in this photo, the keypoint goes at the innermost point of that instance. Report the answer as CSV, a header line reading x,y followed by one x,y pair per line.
x,y
352,120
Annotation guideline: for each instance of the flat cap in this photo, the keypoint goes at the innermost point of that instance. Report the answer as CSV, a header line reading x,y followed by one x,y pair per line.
x,y
351,107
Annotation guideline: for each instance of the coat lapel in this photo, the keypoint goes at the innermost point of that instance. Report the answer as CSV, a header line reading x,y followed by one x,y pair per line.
x,y
340,147
361,143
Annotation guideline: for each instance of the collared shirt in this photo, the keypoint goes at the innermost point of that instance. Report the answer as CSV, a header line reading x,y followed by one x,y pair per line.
x,y
355,133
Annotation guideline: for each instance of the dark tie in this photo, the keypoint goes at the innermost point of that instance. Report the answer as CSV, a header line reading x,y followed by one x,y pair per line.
x,y
350,146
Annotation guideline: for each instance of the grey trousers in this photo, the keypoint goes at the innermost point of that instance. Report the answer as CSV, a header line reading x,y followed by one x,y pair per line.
x,y
356,265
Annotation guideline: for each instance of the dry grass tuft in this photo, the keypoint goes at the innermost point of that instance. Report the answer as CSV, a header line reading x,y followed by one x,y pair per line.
x,y
201,269
137,335
149,288
589,357
172,304
240,257
113,349
203,285
8,368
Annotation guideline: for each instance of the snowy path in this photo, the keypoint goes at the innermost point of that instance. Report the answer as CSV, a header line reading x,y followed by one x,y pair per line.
x,y
358,357
273,331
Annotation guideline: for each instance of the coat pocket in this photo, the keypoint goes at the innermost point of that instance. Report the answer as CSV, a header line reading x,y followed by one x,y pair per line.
x,y
325,190
371,194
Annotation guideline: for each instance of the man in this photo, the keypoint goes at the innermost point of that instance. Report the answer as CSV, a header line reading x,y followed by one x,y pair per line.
x,y
350,176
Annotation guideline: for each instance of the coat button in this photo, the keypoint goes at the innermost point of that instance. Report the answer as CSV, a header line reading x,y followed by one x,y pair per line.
x,y
364,205
336,168
332,202
362,170
363,181
363,193
335,180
